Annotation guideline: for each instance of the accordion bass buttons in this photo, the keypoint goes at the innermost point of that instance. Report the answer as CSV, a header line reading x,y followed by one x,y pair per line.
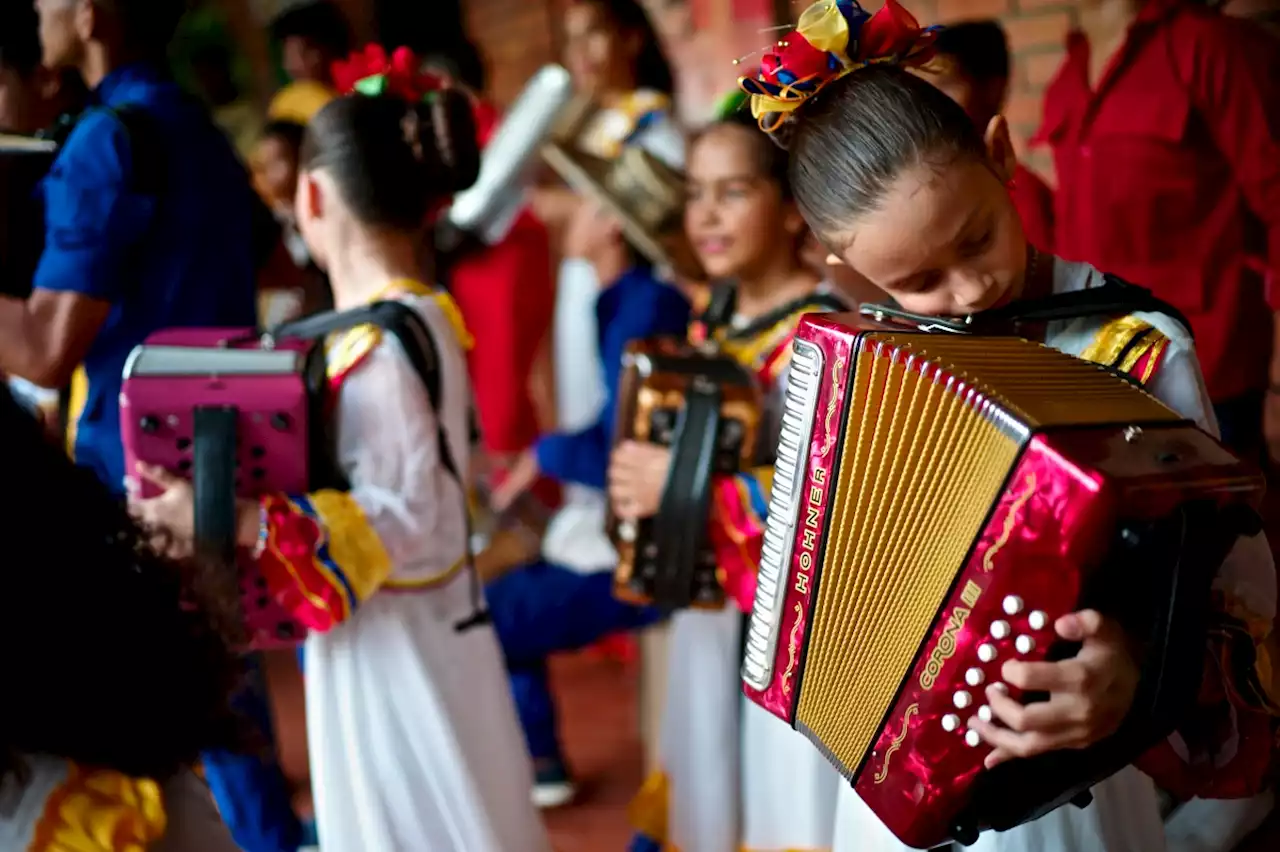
x,y
974,676
1037,620
1012,605
986,652
950,722
999,629
962,699
1024,644
972,739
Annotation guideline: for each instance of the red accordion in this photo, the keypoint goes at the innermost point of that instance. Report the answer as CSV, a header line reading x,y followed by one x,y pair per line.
x,y
938,501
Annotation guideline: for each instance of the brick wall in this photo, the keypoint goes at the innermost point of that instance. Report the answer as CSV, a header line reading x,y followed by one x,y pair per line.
x,y
518,36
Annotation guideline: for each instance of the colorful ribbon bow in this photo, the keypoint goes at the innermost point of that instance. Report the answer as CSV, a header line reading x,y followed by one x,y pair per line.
x,y
832,39
370,72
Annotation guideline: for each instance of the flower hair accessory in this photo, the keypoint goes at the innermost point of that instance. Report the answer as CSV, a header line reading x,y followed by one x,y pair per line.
x,y
370,72
832,39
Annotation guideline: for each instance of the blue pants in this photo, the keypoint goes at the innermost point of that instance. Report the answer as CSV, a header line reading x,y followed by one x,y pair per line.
x,y
541,609
250,790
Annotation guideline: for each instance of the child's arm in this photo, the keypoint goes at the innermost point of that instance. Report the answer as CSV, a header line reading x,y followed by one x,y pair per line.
x,y
636,308
324,553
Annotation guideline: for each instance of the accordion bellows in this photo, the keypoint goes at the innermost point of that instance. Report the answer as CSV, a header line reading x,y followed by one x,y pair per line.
x,y
938,501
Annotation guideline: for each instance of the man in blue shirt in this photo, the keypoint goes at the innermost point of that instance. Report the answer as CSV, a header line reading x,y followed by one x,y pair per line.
x,y
150,222
148,219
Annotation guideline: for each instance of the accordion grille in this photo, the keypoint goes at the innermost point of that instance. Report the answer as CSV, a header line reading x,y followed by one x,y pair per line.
x,y
926,451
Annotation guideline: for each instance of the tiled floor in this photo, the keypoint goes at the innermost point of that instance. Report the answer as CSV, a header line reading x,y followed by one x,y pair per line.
x,y
602,738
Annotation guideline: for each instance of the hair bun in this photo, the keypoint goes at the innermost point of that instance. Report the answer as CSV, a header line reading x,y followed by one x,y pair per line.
x,y
450,132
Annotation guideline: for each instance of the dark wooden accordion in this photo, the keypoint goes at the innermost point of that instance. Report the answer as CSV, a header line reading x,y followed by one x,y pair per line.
x,y
939,500
707,408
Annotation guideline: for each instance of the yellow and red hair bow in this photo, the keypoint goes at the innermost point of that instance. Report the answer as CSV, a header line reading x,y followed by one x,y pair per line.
x,y
832,39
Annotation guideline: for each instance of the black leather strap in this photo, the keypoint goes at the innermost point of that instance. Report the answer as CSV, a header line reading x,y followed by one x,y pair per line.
x,y
213,480
680,527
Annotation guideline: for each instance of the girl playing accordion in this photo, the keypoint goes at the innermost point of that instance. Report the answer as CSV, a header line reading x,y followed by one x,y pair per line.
x,y
412,737
713,793
898,183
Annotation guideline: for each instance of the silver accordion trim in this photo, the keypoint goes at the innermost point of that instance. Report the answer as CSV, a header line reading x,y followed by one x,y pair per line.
x,y
798,410
210,361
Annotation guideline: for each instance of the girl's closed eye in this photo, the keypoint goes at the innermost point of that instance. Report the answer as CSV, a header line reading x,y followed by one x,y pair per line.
x,y
978,245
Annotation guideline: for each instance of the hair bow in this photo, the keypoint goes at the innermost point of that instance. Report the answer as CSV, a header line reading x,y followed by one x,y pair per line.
x,y
832,39
370,72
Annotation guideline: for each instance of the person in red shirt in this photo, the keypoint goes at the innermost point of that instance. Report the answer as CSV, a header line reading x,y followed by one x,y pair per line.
x,y
1164,129
971,65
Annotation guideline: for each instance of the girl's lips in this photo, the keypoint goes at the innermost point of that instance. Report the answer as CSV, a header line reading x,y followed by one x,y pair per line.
x,y
712,246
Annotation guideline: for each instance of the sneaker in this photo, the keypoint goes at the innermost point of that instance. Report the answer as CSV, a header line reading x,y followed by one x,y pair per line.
x,y
552,787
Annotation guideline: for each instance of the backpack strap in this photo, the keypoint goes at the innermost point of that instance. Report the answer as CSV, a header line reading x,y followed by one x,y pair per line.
x,y
419,345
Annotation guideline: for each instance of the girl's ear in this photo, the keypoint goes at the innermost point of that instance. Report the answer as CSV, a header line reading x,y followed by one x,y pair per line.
x,y
311,196
1000,148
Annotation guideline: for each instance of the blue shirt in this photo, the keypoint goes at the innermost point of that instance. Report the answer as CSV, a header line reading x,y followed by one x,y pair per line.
x,y
179,255
636,306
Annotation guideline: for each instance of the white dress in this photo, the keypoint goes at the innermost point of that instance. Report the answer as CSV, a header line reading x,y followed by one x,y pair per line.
x,y
412,733
60,807
1125,815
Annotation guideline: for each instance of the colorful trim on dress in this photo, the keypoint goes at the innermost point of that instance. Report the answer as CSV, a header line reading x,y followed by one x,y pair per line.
x,y
1130,345
321,556
100,811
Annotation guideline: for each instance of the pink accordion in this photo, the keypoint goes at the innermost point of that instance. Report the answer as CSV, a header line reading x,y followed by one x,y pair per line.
x,y
236,413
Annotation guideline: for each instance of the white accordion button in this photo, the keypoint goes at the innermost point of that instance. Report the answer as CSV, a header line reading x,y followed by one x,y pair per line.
x,y
1038,620
1001,688
999,629
1012,605
950,722
627,531
963,699
972,738
974,677
986,653
984,713
1024,644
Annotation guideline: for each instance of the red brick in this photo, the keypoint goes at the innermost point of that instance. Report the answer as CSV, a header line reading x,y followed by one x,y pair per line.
x,y
1023,111
1042,30
959,10
1039,68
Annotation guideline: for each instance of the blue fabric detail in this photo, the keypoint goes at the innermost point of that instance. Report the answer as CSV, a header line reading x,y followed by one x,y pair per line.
x,y
641,843
542,609
635,307
180,258
755,493
251,792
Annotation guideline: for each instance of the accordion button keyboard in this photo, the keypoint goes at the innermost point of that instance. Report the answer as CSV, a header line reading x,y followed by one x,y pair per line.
x,y
984,713
1024,644
1012,605
962,699
1037,620
999,629
627,531
974,677
972,739
986,653
950,722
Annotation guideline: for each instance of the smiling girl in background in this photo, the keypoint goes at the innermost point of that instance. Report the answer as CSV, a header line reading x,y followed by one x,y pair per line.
x,y
730,781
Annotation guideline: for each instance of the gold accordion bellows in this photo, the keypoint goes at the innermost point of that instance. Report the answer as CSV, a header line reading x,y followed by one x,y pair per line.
x,y
938,501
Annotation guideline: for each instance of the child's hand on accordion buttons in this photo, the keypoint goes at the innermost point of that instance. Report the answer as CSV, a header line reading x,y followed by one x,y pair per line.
x,y
170,515
637,475
1089,694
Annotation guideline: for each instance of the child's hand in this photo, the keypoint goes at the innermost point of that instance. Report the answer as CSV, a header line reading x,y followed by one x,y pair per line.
x,y
519,478
637,475
170,516
591,232
1089,694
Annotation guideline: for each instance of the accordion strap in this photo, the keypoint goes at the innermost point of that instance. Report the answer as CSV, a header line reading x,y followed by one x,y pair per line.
x,y
402,321
1114,297
680,527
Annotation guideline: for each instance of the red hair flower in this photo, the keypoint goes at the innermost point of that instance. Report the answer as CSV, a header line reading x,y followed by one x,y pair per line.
x,y
370,72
